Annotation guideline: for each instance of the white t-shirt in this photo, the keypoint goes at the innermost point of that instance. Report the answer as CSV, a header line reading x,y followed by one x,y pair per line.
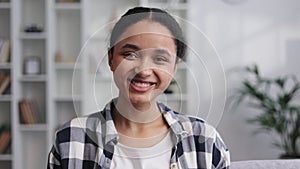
x,y
155,157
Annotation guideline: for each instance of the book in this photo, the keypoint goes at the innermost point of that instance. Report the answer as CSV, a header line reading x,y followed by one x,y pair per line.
x,y
5,84
2,76
5,51
31,116
23,113
7,91
5,138
26,112
1,43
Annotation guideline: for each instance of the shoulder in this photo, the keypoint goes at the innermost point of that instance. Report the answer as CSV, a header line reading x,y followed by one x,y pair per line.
x,y
193,126
196,126
198,138
79,126
206,141
83,121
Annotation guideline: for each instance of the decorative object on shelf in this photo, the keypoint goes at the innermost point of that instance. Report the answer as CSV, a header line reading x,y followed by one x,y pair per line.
x,y
32,65
33,28
279,113
4,51
58,57
5,139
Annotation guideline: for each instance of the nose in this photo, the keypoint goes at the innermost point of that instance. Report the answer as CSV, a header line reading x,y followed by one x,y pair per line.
x,y
144,69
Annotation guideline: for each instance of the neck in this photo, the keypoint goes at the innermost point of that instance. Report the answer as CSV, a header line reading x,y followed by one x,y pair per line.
x,y
132,122
138,113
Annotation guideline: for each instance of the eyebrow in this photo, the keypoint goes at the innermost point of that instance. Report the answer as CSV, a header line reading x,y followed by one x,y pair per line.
x,y
131,46
157,51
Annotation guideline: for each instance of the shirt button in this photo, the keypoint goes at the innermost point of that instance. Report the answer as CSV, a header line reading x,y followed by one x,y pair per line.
x,y
107,163
173,166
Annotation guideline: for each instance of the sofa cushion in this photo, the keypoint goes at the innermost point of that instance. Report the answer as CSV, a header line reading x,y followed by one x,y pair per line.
x,y
266,164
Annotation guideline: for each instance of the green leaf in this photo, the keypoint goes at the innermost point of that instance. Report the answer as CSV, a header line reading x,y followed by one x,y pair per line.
x,y
280,82
255,70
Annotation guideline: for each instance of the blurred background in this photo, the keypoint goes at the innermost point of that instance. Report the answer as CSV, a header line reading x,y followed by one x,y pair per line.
x,y
53,67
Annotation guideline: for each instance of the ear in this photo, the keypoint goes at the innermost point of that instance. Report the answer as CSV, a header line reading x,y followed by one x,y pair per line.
x,y
110,58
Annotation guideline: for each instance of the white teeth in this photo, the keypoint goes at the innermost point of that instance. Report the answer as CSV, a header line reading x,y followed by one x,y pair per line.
x,y
139,84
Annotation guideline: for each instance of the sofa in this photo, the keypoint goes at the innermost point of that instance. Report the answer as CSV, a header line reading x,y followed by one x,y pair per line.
x,y
266,164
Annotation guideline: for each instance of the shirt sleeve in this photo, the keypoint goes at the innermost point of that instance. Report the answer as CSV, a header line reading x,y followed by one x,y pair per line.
x,y
54,158
221,155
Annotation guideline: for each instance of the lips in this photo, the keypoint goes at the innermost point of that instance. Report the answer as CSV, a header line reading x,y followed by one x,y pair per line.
x,y
141,85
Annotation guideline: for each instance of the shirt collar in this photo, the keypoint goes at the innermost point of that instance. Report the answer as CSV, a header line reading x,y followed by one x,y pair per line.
x,y
176,127
111,134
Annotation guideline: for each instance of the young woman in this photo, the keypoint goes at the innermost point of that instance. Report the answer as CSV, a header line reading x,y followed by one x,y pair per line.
x,y
135,130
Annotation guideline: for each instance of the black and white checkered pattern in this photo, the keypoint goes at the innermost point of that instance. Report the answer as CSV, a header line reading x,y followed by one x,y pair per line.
x,y
88,142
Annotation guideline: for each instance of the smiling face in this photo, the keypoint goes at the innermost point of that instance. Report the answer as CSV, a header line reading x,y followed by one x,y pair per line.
x,y
143,62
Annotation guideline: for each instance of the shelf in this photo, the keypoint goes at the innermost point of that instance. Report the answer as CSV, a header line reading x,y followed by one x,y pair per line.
x,y
67,66
98,79
33,127
4,5
33,78
5,98
69,98
33,36
98,38
101,77
68,6
5,66
180,6
182,66
6,157
170,6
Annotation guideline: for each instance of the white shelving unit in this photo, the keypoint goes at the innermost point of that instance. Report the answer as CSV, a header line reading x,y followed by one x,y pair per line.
x,y
79,33
5,5
66,45
6,117
30,141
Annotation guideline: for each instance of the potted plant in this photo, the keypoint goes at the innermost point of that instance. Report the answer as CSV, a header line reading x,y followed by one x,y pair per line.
x,y
275,99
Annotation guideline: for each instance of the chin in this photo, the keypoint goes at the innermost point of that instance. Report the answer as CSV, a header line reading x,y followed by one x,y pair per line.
x,y
141,99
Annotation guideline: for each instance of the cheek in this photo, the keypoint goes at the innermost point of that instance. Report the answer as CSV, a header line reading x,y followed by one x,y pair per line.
x,y
114,64
121,70
166,78
119,65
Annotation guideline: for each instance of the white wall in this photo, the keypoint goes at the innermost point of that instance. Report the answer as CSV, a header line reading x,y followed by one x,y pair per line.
x,y
265,32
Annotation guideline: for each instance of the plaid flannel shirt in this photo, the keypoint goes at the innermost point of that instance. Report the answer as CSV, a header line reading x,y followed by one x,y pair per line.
x,y
88,142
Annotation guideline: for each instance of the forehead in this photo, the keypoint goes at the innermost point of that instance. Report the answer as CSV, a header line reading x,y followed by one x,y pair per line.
x,y
146,27
148,34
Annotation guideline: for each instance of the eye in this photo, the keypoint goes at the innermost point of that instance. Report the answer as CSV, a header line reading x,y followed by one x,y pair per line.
x,y
130,55
160,59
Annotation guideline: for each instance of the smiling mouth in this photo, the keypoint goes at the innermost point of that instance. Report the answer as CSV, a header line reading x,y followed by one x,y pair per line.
x,y
140,85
